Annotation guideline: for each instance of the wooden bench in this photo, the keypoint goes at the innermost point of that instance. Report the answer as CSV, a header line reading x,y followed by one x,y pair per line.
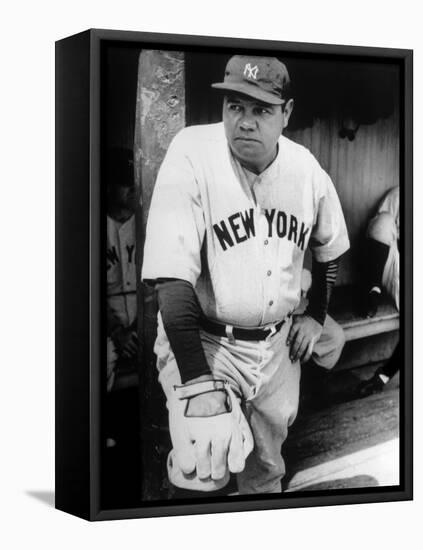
x,y
344,309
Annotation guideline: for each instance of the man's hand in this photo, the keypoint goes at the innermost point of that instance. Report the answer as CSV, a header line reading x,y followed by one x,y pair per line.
x,y
302,337
207,404
126,342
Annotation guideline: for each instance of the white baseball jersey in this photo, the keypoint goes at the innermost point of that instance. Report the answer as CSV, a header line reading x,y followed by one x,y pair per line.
x,y
121,270
238,238
390,203
391,272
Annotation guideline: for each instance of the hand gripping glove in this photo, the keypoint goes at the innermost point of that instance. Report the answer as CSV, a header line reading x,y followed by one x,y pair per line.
x,y
206,449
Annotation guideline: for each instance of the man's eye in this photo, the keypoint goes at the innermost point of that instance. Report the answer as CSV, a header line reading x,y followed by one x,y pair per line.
x,y
263,111
234,107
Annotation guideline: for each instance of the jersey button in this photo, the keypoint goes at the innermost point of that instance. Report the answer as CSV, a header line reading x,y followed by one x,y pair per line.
x,y
271,303
269,273
266,242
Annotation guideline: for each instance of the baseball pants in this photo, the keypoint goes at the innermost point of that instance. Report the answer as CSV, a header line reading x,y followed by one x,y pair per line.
x,y
382,228
267,383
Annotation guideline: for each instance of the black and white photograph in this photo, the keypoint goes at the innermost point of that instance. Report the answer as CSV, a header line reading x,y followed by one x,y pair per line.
x,y
252,274
211,264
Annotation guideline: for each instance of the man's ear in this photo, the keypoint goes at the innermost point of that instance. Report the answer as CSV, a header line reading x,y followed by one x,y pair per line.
x,y
286,112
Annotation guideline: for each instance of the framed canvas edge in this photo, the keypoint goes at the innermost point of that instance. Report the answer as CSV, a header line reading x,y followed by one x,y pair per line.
x,y
405,490
72,298
407,221
249,43
95,276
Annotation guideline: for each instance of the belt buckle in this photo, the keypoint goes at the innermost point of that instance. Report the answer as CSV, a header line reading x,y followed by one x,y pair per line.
x,y
272,332
229,330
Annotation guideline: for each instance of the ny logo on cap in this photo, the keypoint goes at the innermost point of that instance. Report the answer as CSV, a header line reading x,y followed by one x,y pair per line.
x,y
251,72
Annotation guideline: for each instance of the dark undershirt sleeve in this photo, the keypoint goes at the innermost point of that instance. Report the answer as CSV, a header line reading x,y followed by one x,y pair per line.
x,y
323,279
181,313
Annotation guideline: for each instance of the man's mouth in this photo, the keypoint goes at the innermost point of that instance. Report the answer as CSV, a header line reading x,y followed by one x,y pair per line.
x,y
247,139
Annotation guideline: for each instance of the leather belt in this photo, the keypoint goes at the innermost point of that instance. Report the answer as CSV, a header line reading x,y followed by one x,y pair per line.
x,y
237,333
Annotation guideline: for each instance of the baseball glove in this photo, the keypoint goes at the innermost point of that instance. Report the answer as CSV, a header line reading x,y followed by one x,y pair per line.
x,y
206,449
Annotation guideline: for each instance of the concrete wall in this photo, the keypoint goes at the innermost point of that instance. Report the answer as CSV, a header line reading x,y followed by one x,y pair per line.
x,y
160,113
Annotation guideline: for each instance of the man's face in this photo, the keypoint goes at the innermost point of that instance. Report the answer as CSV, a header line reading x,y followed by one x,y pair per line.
x,y
253,128
123,197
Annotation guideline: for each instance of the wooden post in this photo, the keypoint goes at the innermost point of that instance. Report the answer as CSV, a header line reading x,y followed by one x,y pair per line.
x,y
160,114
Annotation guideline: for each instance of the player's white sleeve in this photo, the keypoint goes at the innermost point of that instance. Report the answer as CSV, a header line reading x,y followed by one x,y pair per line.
x,y
329,237
175,225
390,203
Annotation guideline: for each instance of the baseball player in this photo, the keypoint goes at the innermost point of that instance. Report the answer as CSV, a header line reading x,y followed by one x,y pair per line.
x,y
235,206
121,274
383,275
382,247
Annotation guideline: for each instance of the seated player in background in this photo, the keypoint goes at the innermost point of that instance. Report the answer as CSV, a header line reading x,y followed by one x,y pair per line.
x,y
382,242
121,266
120,469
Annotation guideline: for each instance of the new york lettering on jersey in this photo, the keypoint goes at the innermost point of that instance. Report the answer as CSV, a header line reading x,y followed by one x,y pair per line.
x,y
121,269
240,226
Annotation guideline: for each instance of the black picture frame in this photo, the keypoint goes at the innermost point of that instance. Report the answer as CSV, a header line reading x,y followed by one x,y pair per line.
x,y
79,286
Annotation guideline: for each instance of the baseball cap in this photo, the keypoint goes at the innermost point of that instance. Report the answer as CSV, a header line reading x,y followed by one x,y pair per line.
x,y
263,78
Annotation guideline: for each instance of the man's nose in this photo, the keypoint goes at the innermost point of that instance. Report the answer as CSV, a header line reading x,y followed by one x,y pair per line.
x,y
248,123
